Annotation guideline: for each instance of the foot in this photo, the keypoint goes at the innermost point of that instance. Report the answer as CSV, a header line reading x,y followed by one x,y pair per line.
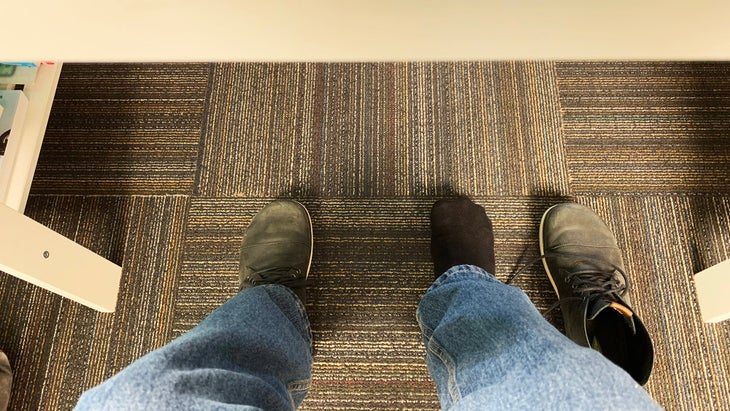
x,y
461,233
585,267
277,247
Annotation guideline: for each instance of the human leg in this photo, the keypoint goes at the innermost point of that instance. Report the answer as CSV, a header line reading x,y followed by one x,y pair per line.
x,y
254,352
488,347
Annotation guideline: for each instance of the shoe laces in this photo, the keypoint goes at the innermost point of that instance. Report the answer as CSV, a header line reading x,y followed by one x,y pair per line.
x,y
590,284
274,275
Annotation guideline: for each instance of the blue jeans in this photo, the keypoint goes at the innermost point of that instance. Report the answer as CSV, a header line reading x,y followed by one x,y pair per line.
x,y
487,347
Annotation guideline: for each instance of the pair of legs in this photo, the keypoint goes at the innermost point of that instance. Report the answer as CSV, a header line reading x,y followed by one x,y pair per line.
x,y
487,347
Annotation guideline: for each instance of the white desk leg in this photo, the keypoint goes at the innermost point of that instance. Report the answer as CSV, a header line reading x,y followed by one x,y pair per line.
x,y
713,292
39,255
21,156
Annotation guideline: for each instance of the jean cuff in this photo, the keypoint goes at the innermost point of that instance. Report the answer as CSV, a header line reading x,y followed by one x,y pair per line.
x,y
462,272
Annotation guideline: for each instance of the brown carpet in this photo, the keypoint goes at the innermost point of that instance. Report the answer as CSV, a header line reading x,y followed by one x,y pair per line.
x,y
160,167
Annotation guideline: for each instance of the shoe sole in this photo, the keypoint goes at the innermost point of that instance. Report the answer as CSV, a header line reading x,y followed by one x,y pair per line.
x,y
311,237
542,250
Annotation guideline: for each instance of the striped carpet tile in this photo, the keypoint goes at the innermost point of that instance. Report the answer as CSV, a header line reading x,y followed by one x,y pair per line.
x,y
370,130
370,267
33,317
368,148
646,127
666,239
59,348
123,129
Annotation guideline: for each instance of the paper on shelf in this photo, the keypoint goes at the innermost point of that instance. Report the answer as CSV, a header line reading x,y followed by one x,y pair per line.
x,y
14,104
18,73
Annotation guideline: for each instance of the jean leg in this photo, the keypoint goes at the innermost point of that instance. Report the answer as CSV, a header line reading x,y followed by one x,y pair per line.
x,y
487,347
253,352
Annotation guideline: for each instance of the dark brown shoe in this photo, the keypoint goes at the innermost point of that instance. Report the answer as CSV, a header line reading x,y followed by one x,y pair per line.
x,y
585,267
277,247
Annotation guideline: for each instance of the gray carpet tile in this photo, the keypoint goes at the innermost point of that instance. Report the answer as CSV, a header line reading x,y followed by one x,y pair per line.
x,y
368,148
124,129
662,241
646,127
370,267
369,130
59,348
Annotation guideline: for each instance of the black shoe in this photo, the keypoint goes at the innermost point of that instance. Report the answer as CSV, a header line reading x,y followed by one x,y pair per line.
x,y
461,233
277,247
584,264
